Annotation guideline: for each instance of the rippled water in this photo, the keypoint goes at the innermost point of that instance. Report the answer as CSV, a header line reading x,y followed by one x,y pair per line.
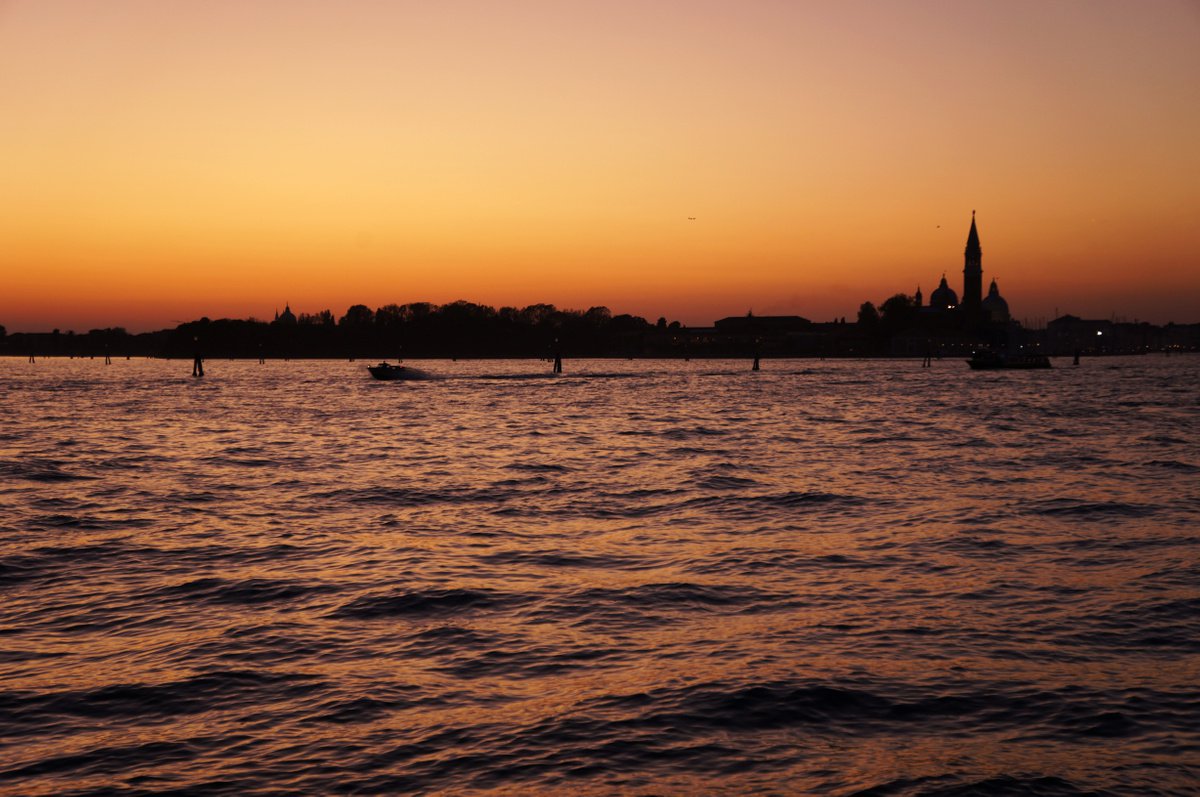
x,y
639,578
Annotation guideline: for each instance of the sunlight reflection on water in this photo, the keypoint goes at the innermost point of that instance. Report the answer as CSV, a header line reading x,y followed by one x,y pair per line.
x,y
641,576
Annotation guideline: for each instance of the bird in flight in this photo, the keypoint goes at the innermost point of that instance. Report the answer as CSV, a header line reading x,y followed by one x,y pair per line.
x,y
691,218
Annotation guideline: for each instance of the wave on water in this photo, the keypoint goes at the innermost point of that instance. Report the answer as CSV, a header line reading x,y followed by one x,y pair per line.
x,y
1072,508
426,603
37,469
242,592
141,701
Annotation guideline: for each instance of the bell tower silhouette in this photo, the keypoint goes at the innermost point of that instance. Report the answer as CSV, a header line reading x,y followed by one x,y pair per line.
x,y
972,293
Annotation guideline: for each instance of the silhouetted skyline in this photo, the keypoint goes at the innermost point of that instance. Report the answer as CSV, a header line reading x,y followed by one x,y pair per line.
x,y
465,328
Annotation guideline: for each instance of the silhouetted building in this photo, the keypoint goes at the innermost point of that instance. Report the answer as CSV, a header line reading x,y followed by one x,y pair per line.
x,y
1181,337
943,297
972,294
994,307
286,318
1069,334
972,308
761,324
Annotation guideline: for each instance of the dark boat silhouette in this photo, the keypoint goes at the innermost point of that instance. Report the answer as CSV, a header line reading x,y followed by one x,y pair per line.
x,y
391,373
990,360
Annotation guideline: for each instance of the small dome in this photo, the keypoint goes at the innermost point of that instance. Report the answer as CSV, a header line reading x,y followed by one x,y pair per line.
x,y
993,305
286,317
944,297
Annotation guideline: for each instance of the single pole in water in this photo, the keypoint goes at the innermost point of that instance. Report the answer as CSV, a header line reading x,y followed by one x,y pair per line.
x,y
755,366
557,358
197,361
1076,362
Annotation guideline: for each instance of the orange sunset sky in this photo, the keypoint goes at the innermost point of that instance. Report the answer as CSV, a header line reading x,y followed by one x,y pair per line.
x,y
161,160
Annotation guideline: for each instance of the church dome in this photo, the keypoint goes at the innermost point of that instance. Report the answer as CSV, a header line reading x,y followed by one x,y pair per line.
x,y
287,317
994,306
944,297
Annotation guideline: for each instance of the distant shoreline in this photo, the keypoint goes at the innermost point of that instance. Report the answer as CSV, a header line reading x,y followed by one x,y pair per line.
x,y
568,358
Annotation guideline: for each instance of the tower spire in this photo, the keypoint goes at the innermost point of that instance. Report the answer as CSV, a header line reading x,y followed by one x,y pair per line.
x,y
972,270
973,239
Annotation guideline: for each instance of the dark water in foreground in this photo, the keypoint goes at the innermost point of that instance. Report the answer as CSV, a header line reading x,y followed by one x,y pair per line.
x,y
681,578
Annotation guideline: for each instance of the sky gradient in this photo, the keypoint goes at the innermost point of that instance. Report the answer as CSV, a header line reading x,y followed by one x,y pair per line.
x,y
163,161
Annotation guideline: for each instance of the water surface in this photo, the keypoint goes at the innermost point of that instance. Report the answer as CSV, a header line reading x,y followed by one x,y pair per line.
x,y
642,577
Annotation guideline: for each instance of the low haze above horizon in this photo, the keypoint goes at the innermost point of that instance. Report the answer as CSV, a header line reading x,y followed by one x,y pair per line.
x,y
167,161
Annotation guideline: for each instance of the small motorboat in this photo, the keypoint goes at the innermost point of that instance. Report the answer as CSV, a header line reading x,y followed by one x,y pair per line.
x,y
390,373
990,360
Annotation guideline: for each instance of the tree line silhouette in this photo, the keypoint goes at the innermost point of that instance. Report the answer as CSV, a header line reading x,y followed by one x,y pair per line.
x,y
420,329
